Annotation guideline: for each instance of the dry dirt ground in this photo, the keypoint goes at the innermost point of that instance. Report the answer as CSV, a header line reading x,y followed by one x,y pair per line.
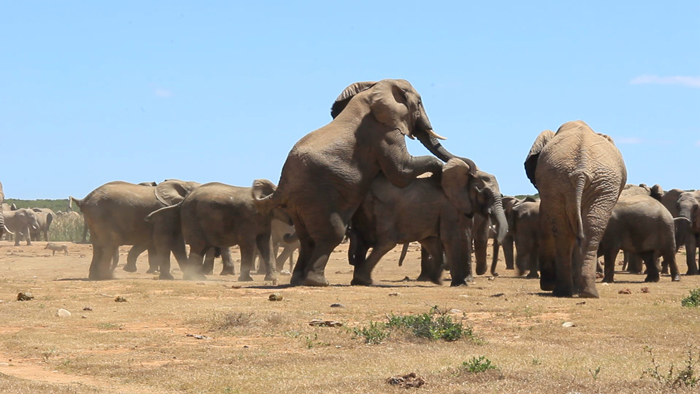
x,y
224,336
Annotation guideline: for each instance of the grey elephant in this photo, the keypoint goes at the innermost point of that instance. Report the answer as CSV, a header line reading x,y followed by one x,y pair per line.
x,y
216,215
435,216
641,225
21,222
329,171
282,236
686,205
580,175
115,213
482,231
526,235
45,216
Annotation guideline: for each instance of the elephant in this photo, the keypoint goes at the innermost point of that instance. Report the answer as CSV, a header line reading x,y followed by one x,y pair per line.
x,y
216,215
328,173
282,236
687,205
579,175
21,222
526,235
436,216
640,224
45,216
482,231
115,213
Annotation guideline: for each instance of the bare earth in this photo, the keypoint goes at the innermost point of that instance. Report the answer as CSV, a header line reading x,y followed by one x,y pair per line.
x,y
224,336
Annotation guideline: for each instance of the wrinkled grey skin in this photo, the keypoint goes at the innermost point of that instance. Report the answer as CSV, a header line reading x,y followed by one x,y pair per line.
x,y
330,170
425,212
526,235
580,175
116,215
686,205
482,231
45,216
220,215
21,222
641,225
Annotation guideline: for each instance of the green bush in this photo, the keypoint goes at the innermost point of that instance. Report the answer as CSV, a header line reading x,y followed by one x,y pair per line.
x,y
478,364
693,300
674,378
375,334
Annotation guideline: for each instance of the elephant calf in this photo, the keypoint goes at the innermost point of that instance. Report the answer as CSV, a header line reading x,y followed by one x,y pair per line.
x,y
640,224
526,235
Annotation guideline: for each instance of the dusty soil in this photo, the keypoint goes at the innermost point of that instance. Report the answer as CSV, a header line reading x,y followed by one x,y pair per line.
x,y
224,336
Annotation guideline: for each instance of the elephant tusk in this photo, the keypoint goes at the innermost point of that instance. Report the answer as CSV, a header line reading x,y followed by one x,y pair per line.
x,y
436,135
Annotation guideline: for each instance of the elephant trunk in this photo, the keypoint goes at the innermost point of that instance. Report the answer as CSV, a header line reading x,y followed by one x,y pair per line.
x,y
498,216
435,147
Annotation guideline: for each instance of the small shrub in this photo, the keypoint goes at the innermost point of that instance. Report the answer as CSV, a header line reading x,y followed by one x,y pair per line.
x,y
693,300
435,324
374,334
478,364
685,377
228,320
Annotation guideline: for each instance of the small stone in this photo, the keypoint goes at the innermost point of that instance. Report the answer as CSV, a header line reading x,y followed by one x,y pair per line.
x,y
275,297
63,313
396,294
245,346
84,317
646,290
24,296
87,308
625,291
455,311
120,299
492,278
581,303
568,324
337,306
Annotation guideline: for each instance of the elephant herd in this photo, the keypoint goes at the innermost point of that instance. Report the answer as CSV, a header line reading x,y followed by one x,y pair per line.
x,y
354,177
28,224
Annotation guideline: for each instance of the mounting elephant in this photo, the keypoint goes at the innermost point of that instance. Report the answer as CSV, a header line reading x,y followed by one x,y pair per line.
x,y
45,216
216,215
641,225
436,216
21,222
526,235
686,205
115,213
329,171
579,174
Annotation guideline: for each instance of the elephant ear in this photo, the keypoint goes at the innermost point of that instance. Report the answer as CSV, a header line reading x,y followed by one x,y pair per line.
x,y
173,191
657,192
455,184
263,188
389,105
534,155
347,94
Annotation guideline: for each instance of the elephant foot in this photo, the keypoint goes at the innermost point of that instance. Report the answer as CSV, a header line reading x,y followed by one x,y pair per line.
x,y
480,270
676,278
589,294
494,274
533,275
270,278
423,278
456,283
316,280
360,282
547,285
152,270
100,275
245,278
607,280
562,292
227,271
165,276
651,279
130,268
297,279
692,272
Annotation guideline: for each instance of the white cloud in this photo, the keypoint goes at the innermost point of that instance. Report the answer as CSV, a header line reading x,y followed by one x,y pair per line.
x,y
165,93
629,140
693,82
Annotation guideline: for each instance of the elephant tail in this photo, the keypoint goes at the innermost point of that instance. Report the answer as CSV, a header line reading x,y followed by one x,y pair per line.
x,y
162,211
77,201
266,196
580,178
404,249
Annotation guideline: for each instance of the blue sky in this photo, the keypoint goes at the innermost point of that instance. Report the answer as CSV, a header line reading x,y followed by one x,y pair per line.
x,y
92,92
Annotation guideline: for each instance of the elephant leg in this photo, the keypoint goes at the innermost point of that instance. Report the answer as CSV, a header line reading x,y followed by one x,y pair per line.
x,y
193,269
247,256
286,254
362,274
533,263
115,259
325,239
669,257
481,239
634,265
652,269
609,265
564,249
494,260
508,252
457,248
208,265
227,259
690,249
306,246
547,255
152,260
426,258
131,257
265,248
100,268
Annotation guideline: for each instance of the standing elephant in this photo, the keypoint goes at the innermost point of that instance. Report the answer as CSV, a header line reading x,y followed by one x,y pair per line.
x,y
115,213
282,236
216,215
579,174
526,235
21,222
329,171
686,205
640,225
425,212
45,216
